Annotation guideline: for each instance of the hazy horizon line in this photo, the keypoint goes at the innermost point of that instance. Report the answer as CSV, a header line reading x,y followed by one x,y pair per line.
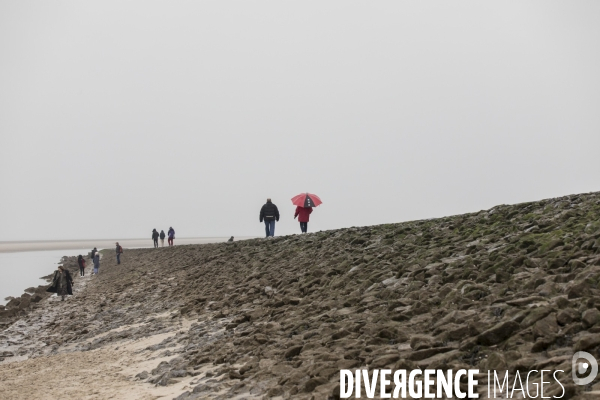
x,y
105,239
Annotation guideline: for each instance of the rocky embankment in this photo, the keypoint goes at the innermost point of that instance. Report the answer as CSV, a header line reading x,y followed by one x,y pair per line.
x,y
511,288
18,307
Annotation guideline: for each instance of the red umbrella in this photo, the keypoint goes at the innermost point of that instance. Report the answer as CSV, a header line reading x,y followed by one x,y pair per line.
x,y
306,200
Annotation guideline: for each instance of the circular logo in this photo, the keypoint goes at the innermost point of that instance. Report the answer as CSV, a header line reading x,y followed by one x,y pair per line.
x,y
580,367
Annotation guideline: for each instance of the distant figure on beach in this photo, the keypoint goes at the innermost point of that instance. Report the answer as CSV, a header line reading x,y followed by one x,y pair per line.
x,y
162,238
96,263
269,213
62,283
155,238
230,239
81,263
303,215
171,234
119,251
94,253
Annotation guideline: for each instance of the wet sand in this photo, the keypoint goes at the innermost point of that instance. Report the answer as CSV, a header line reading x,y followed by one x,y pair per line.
x,y
43,362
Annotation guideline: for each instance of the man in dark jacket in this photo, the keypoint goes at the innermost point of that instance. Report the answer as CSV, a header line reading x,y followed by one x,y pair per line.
x,y
119,250
269,213
155,237
96,263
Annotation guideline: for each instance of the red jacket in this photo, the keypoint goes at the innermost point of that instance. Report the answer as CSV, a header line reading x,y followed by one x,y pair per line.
x,y
302,213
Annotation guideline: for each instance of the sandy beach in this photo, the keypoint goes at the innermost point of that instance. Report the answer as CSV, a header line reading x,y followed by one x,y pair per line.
x,y
106,372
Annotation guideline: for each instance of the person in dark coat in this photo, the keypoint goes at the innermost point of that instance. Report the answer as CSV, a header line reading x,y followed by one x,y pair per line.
x,y
155,238
62,283
94,253
269,213
303,215
81,263
171,234
162,238
96,263
119,251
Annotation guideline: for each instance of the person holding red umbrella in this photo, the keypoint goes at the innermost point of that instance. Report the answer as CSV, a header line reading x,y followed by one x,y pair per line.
x,y
303,216
304,206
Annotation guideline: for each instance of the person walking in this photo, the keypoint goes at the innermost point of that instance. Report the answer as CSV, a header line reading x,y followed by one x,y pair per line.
x,y
96,263
269,213
171,234
155,238
119,251
81,263
162,238
62,283
303,215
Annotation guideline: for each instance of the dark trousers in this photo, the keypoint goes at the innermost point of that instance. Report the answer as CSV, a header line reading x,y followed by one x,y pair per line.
x,y
170,241
156,243
118,258
270,228
81,271
303,226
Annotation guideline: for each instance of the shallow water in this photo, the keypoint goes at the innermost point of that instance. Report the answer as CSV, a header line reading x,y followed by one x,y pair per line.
x,y
22,270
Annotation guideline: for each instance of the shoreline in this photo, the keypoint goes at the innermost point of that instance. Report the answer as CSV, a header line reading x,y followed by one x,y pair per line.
x,y
85,246
30,343
45,245
31,298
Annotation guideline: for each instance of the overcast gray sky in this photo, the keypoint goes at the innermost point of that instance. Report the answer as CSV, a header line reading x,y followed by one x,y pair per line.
x,y
119,117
